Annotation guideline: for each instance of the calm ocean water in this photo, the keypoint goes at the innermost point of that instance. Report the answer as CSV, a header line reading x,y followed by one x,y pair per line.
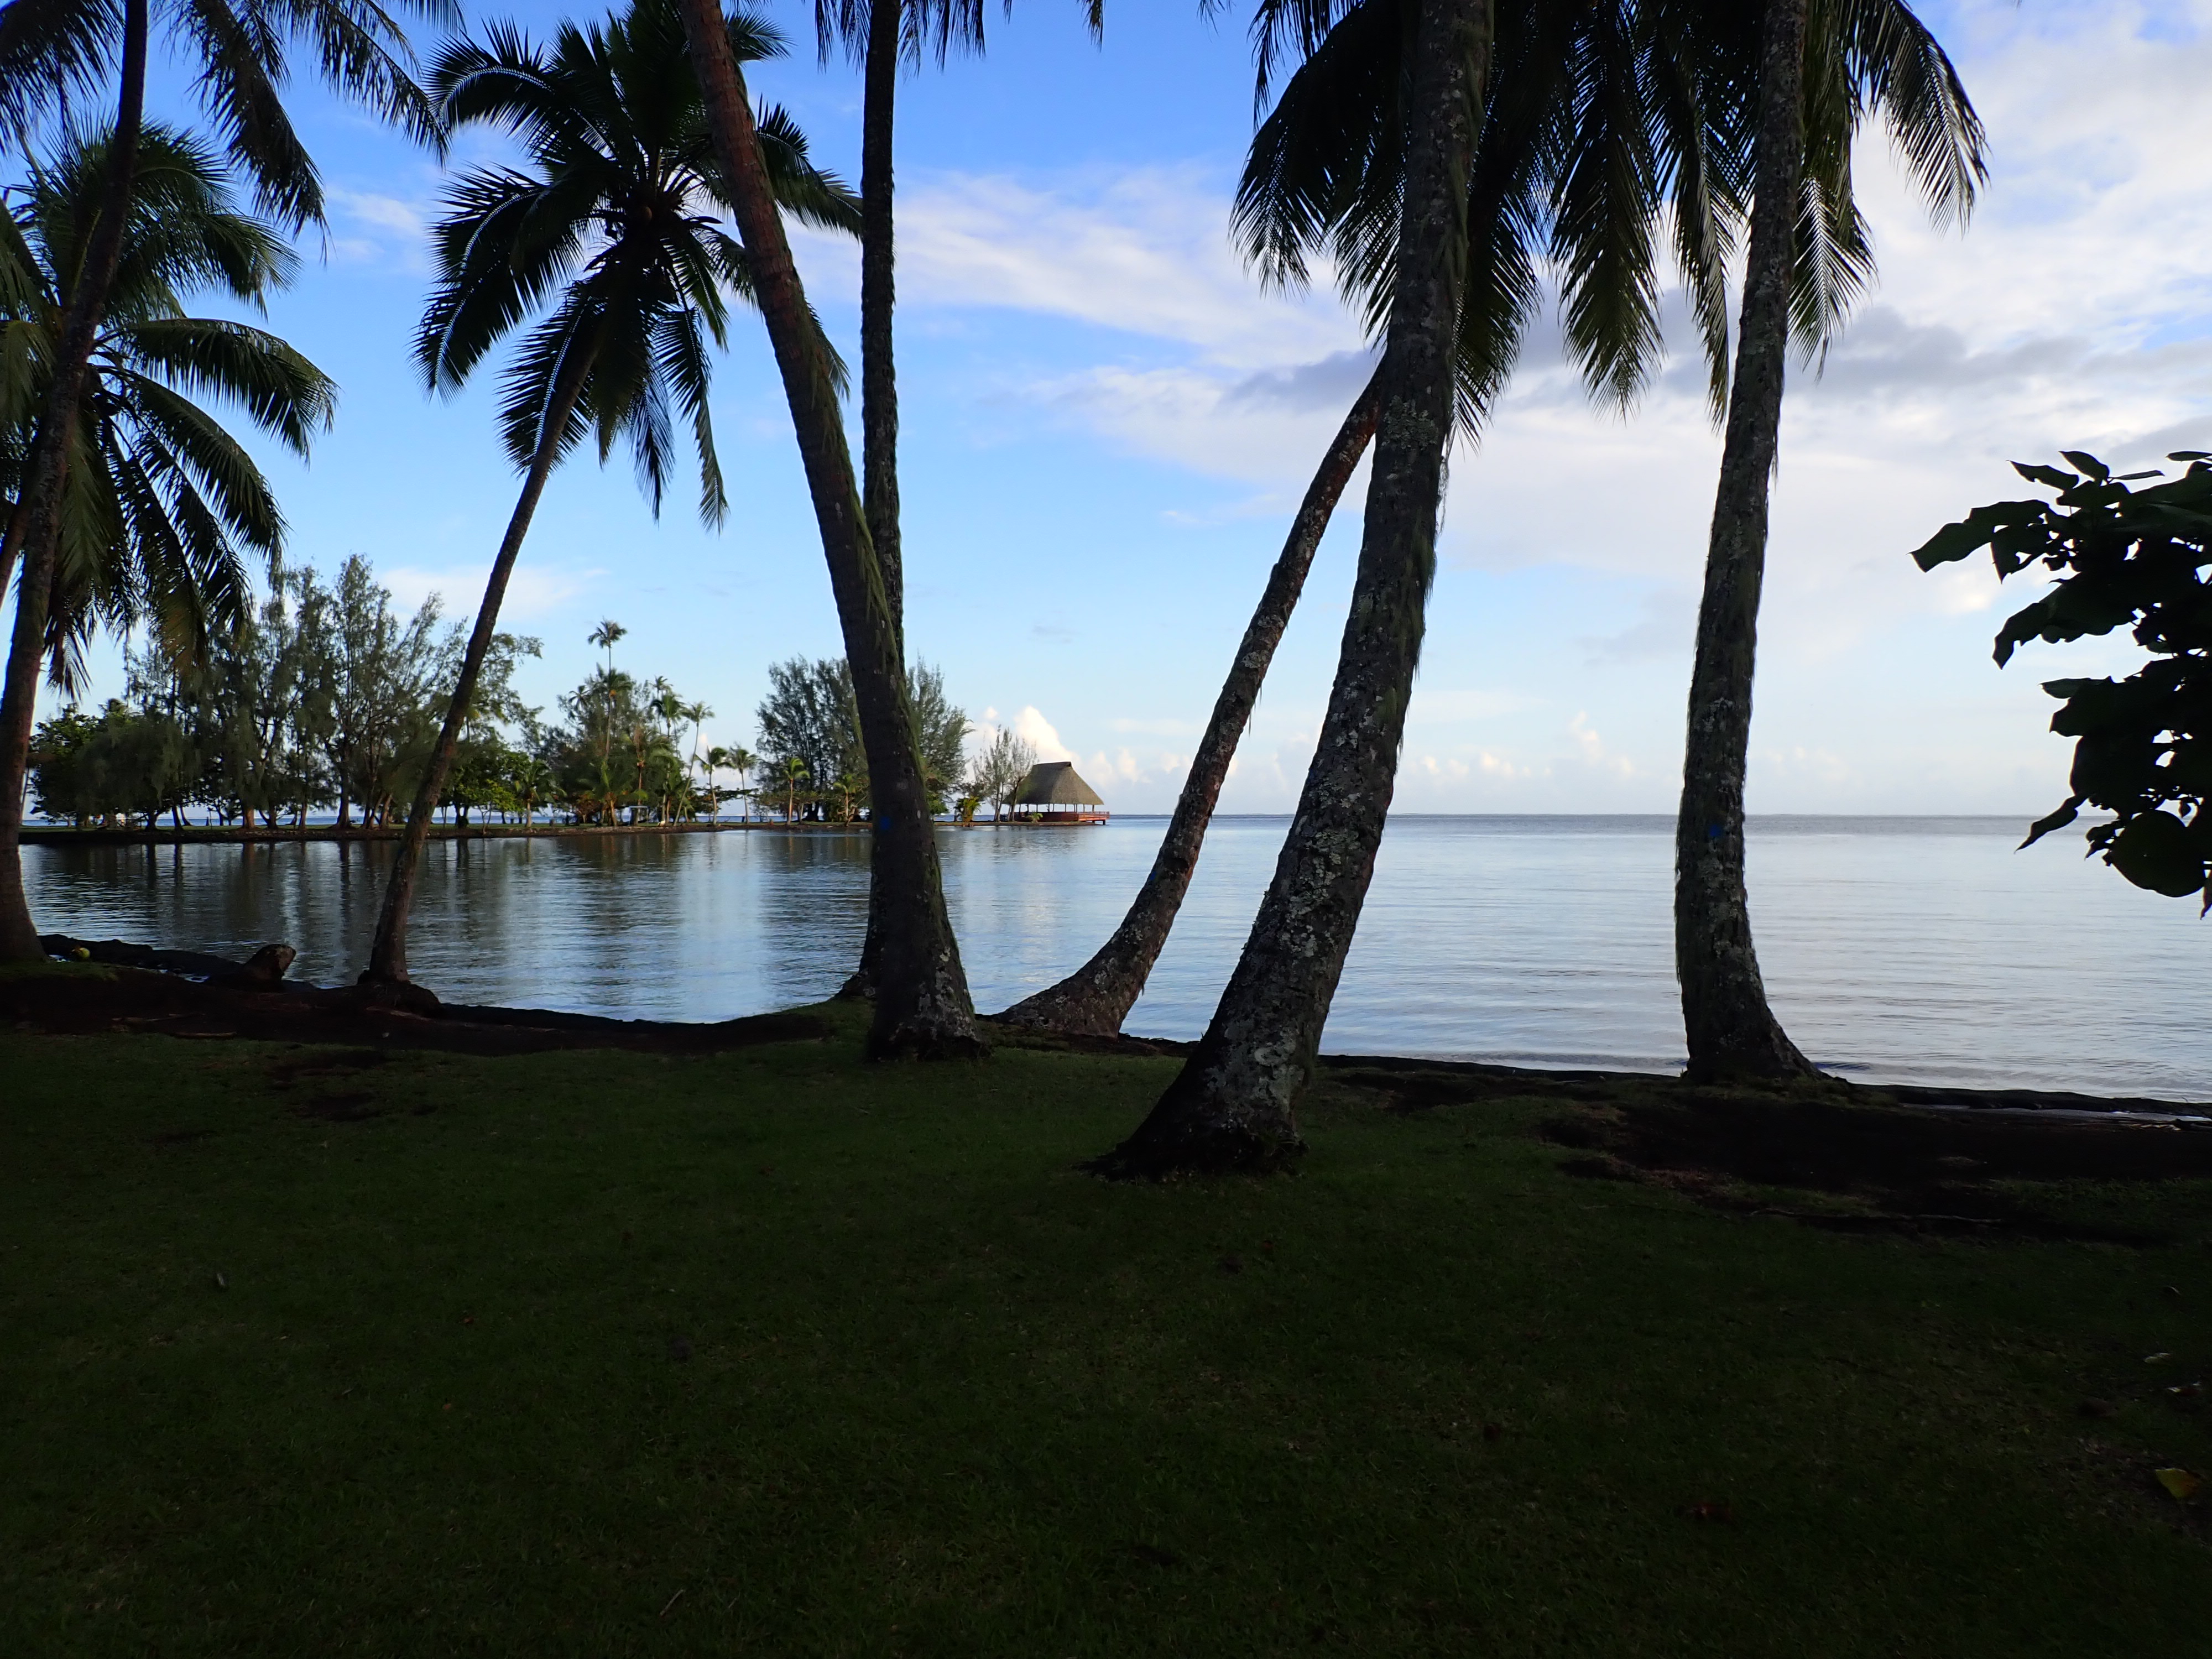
x,y
1902,950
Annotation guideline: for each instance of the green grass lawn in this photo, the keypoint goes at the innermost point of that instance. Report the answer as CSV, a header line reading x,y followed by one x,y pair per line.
x,y
772,1353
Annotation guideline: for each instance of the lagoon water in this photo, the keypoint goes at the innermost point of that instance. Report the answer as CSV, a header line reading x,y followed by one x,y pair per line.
x,y
1901,949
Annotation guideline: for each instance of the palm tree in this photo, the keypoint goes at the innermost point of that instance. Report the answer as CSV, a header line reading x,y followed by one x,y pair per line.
x,y
239,52
741,760
794,774
604,636
618,225
1229,1107
883,35
1586,98
1813,90
161,503
1232,1104
696,714
717,759
922,1005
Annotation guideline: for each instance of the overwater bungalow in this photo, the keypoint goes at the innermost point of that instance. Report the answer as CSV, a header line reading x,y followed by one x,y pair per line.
x,y
1053,793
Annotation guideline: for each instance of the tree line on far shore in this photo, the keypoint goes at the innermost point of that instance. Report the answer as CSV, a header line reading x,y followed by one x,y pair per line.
x,y
327,699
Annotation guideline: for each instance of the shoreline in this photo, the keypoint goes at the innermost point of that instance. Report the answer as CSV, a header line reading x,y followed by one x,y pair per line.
x,y
230,835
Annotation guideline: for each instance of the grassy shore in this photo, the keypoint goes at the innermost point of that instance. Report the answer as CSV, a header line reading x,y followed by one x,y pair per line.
x,y
586,1352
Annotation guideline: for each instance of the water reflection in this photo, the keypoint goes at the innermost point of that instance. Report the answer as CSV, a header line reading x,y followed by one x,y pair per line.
x,y
1920,949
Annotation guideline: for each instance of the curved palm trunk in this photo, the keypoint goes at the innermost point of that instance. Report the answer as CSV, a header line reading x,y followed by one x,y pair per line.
x,y
40,518
922,1006
1097,998
1230,1107
388,954
1731,1031
880,491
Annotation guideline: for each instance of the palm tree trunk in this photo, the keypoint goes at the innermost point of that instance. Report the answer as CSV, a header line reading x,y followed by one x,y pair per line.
x,y
388,954
922,1006
41,518
1097,998
1230,1107
880,491
1731,1031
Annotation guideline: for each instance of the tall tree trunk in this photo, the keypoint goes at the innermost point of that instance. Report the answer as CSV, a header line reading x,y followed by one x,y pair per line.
x,y
922,1006
41,518
1731,1031
1230,1109
880,491
1097,998
387,955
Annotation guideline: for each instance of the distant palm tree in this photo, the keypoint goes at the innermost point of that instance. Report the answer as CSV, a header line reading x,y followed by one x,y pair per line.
x,y
604,636
617,224
794,774
235,55
696,714
923,1008
742,761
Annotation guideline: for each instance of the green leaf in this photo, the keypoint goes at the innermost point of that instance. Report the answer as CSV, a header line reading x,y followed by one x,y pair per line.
x,y
2045,475
2081,461
2058,820
2154,850
1952,541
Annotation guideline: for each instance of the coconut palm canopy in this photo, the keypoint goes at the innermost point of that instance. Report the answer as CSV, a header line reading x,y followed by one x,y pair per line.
x,y
1055,784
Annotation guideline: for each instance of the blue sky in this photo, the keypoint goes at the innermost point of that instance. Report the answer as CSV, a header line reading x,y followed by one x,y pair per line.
x,y
1107,424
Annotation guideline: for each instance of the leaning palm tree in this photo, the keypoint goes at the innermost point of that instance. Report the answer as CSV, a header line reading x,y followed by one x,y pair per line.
x,y
1808,257
884,36
239,52
1601,128
922,1005
161,505
1229,1107
615,229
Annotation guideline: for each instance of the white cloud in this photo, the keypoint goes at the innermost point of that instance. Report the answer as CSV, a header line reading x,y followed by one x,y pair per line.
x,y
376,227
1143,252
532,591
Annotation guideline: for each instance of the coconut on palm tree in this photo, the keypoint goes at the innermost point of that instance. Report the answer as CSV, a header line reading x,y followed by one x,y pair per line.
x,y
161,504
613,232
238,52
1808,257
922,1005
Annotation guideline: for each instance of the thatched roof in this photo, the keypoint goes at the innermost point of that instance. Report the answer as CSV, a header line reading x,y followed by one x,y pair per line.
x,y
1054,784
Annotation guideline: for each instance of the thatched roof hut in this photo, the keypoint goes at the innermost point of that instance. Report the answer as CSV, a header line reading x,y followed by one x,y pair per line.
x,y
1053,793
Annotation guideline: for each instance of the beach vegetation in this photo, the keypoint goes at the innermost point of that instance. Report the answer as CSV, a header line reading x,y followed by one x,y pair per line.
x,y
2118,552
